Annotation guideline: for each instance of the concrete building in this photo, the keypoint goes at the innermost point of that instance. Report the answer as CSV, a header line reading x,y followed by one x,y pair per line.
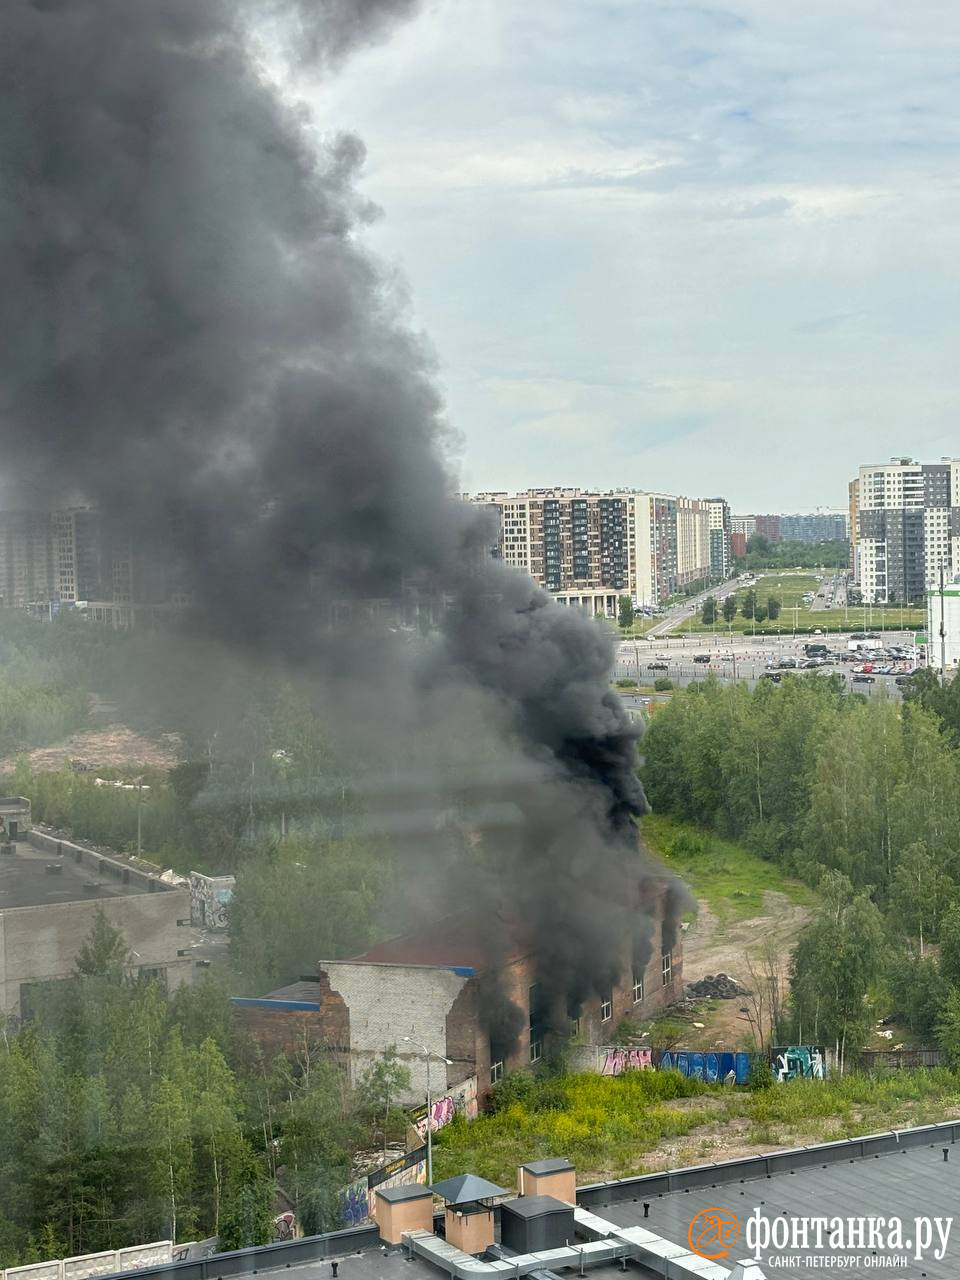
x,y
720,526
819,526
50,891
589,548
853,525
27,565
907,525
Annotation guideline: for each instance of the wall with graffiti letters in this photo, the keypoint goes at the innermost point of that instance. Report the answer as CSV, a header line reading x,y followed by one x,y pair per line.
x,y
209,898
800,1062
792,1062
461,1100
357,1198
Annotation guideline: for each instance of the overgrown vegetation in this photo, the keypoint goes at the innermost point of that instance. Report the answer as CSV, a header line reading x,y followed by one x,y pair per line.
x,y
606,1126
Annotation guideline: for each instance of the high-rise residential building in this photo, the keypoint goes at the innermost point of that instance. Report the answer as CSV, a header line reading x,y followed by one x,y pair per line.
x,y
589,548
28,566
747,525
853,522
719,525
908,525
74,558
820,526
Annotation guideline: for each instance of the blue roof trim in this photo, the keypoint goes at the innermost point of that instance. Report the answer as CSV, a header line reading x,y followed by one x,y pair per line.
x,y
306,1006
463,970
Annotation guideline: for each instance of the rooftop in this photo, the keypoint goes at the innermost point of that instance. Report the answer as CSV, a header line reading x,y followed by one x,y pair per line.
x,y
28,879
460,941
902,1175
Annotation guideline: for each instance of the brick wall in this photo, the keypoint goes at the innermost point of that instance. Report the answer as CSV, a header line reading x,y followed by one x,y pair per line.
x,y
283,1030
390,1001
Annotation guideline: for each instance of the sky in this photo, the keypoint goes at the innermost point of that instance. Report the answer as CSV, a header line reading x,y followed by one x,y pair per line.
x,y
705,250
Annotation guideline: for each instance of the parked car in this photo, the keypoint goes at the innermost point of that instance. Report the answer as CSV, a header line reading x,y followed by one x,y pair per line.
x,y
701,657
862,679
902,680
775,676
657,666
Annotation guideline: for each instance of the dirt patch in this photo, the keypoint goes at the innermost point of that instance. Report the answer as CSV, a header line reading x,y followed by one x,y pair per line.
x,y
712,945
112,747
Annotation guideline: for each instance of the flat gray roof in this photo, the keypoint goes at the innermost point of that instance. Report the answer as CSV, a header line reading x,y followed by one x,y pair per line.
x,y
26,882
907,1183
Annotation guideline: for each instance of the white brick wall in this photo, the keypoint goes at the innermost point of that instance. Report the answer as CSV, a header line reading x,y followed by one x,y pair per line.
x,y
390,1001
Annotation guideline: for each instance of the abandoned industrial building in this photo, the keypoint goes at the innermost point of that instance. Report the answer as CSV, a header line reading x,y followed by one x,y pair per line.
x,y
50,893
428,993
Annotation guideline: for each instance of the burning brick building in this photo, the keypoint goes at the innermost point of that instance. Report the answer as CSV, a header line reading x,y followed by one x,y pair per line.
x,y
434,989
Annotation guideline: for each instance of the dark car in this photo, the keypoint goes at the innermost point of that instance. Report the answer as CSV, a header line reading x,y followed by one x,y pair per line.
x,y
657,666
901,680
775,676
862,679
701,657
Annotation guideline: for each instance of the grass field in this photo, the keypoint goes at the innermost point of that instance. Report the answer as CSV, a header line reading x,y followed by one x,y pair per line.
x,y
789,589
607,1126
729,878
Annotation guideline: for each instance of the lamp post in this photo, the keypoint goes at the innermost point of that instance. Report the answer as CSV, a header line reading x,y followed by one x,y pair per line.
x,y
427,1055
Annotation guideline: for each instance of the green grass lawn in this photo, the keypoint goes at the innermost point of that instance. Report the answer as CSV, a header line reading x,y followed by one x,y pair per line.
x,y
606,1125
731,879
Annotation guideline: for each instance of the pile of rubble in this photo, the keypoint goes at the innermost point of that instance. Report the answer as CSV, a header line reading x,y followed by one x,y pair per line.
x,y
718,986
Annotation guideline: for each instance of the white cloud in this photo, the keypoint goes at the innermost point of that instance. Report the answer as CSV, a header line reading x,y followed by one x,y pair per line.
x,y
653,237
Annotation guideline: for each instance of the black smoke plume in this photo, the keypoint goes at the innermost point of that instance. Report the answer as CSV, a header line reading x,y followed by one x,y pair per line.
x,y
194,338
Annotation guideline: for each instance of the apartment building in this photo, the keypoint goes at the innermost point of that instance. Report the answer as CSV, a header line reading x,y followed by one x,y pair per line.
x,y
28,568
589,548
907,525
819,526
853,524
720,527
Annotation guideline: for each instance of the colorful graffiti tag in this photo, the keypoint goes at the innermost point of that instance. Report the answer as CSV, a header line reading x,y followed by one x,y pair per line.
x,y
800,1062
209,899
793,1062
617,1061
356,1199
459,1101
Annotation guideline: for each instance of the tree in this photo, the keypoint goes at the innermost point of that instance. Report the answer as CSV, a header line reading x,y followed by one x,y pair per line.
x,y
758,545
379,1087
773,608
625,615
709,611
948,1030
759,613
103,953
749,605
838,956
729,607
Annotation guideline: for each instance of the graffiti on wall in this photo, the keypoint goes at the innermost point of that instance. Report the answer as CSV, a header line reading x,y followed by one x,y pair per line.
x,y
617,1061
209,898
800,1062
794,1062
462,1100
284,1226
356,1200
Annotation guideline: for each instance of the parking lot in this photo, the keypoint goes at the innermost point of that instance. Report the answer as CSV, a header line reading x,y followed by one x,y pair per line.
x,y
738,657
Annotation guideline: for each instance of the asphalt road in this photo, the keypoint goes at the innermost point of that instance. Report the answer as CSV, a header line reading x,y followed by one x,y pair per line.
x,y
682,612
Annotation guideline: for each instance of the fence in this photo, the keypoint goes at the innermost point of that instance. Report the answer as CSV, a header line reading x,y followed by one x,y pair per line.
x,y
896,1059
786,1062
113,1261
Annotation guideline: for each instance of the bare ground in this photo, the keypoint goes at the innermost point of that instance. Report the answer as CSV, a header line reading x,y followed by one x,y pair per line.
x,y
712,945
113,746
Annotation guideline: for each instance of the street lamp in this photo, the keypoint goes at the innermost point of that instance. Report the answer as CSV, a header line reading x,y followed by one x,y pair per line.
x,y
427,1055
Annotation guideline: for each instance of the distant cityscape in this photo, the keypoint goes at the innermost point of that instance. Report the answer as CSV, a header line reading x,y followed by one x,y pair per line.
x,y
588,548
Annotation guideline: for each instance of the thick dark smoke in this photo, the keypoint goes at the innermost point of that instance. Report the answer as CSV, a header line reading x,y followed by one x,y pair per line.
x,y
194,339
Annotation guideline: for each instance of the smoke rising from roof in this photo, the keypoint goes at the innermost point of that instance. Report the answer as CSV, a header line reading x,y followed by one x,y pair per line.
x,y
196,340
